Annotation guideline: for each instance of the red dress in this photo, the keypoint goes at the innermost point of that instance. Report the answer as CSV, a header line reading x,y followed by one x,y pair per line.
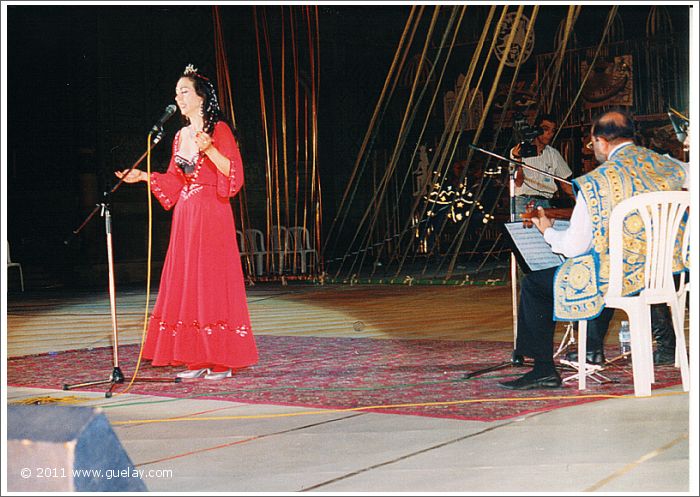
x,y
201,314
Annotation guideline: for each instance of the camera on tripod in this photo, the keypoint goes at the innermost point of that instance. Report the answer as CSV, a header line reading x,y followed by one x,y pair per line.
x,y
525,134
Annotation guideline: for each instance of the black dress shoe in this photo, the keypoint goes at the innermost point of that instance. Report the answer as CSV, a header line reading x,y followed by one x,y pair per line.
x,y
529,383
664,356
595,356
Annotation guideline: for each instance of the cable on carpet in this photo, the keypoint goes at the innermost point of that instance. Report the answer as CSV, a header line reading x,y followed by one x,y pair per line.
x,y
392,406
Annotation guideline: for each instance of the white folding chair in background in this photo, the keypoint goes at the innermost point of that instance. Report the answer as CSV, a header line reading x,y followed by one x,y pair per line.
x,y
661,214
242,246
301,245
279,247
255,245
15,264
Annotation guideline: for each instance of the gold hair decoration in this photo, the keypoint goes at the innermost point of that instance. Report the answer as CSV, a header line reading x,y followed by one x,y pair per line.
x,y
190,70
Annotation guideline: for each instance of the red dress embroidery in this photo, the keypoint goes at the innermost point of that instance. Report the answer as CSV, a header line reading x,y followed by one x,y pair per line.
x,y
201,314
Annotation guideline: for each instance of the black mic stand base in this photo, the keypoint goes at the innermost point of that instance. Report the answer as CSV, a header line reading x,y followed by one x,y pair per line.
x,y
117,377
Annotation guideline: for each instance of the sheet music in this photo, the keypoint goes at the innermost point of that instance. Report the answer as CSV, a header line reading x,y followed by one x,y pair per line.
x,y
533,248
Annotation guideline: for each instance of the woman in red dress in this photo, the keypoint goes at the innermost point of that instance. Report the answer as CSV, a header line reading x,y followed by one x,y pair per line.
x,y
200,318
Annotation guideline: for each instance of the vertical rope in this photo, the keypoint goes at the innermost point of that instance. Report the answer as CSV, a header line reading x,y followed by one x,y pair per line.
x,y
223,78
266,135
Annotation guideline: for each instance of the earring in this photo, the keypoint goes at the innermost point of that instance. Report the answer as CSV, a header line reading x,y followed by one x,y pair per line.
x,y
201,110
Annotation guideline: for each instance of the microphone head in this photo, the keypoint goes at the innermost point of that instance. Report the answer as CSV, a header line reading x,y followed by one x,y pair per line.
x,y
170,109
680,126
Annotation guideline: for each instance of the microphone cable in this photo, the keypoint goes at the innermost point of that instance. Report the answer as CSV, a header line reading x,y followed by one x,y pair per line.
x,y
148,263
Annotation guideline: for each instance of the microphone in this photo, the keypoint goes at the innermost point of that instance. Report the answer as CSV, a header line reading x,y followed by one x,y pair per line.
x,y
679,124
169,111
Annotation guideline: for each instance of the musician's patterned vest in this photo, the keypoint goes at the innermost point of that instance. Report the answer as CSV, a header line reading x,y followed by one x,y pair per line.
x,y
581,281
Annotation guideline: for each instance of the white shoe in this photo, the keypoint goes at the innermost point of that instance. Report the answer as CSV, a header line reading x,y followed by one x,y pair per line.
x,y
193,373
219,375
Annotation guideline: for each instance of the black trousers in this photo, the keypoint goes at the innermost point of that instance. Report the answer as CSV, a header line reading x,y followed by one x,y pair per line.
x,y
536,318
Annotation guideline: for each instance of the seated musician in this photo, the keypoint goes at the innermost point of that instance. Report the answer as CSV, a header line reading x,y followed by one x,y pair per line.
x,y
531,186
574,291
661,321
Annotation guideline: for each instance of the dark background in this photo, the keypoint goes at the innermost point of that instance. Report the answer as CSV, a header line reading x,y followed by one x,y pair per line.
x,y
86,83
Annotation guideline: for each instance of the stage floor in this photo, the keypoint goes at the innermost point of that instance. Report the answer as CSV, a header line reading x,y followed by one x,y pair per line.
x,y
620,444
52,321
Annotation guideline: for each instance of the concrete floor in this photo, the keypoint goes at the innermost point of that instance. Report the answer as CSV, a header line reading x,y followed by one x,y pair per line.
x,y
615,445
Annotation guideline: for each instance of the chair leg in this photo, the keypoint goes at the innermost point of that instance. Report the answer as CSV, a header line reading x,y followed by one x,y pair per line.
x,y
681,353
582,332
259,264
642,356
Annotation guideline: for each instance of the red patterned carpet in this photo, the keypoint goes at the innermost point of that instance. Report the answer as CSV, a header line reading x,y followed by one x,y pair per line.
x,y
417,377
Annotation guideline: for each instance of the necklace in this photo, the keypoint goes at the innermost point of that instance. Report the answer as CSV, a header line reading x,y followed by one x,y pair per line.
x,y
192,131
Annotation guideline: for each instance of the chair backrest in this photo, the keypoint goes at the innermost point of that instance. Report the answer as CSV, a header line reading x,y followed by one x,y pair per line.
x,y
661,214
242,244
300,238
255,240
9,259
278,233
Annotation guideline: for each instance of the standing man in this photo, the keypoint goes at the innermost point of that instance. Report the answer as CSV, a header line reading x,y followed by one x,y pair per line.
x,y
575,290
530,185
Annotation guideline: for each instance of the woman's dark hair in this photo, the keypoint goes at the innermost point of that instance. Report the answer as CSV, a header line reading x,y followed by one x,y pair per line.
x,y
613,126
205,89
212,111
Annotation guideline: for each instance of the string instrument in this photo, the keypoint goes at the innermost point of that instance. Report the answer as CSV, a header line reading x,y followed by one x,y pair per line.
x,y
550,212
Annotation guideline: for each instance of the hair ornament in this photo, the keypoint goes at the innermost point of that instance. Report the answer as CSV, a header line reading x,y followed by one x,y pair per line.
x,y
191,71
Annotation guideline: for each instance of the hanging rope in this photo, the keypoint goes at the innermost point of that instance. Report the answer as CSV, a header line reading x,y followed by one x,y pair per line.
x,y
225,92
298,206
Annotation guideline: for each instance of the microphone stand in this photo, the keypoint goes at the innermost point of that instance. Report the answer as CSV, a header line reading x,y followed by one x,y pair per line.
x,y
516,359
116,376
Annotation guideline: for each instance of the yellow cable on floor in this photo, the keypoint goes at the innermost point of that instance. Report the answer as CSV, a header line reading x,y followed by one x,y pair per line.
x,y
69,399
390,406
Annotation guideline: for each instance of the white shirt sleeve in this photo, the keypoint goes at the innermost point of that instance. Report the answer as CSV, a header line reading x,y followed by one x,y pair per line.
x,y
577,239
561,168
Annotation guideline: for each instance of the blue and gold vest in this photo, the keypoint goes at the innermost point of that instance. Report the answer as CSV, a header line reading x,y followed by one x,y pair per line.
x,y
581,282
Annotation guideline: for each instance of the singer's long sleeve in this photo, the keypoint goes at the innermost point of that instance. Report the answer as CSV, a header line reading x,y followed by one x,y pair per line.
x,y
167,186
228,186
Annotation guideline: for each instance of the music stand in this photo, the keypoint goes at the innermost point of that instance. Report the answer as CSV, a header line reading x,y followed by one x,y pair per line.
x,y
516,359
116,376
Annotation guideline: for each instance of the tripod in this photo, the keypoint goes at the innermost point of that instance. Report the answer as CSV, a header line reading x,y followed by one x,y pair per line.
x,y
116,377
516,359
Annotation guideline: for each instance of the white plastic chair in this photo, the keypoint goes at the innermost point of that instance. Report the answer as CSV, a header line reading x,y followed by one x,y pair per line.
x,y
242,245
279,246
255,246
661,214
15,264
301,245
